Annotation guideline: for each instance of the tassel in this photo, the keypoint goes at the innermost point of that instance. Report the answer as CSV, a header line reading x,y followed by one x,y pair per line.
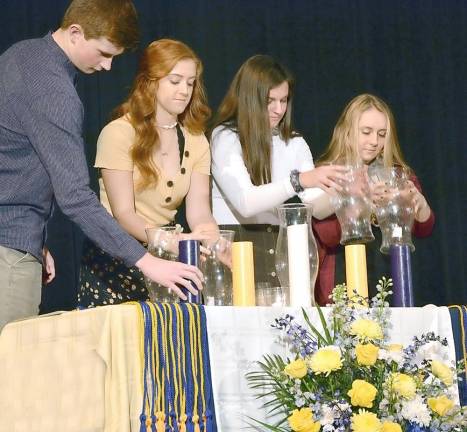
x,y
172,420
182,423
208,421
160,424
196,423
142,422
189,424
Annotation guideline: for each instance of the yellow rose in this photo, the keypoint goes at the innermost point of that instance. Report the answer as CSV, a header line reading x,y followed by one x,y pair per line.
x,y
362,394
366,421
404,385
367,354
391,427
301,420
366,328
440,405
395,347
442,371
325,360
296,369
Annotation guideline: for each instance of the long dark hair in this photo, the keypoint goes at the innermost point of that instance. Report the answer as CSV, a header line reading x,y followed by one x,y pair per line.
x,y
245,111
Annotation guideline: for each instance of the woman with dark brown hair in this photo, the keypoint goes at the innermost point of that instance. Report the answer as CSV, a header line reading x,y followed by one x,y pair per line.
x,y
260,161
153,157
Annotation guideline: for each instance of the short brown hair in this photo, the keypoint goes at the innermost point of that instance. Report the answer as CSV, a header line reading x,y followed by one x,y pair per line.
x,y
116,20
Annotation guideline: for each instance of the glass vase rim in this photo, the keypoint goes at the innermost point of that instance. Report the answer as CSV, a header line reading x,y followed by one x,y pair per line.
x,y
162,228
295,205
226,231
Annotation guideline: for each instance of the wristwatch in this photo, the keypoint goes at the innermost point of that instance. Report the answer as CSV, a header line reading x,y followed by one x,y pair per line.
x,y
295,181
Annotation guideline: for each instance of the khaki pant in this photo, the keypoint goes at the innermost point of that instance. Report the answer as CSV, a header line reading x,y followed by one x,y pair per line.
x,y
20,285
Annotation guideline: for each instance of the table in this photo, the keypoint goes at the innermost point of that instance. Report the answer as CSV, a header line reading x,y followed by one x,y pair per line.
x,y
79,371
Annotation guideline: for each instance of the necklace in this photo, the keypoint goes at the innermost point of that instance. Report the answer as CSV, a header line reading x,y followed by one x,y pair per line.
x,y
167,127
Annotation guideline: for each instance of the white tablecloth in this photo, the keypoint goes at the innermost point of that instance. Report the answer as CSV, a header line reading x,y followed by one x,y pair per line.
x,y
238,337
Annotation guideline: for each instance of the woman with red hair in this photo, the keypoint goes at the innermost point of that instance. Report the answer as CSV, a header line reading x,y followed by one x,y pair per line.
x,y
154,164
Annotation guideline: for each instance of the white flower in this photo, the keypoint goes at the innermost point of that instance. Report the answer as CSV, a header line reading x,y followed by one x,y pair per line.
x,y
432,350
343,407
329,428
416,411
388,356
327,415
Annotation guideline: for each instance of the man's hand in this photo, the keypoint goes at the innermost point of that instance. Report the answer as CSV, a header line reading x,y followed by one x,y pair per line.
x,y
171,273
48,266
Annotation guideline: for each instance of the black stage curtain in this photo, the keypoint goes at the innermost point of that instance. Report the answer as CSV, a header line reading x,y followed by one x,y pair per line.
x,y
412,53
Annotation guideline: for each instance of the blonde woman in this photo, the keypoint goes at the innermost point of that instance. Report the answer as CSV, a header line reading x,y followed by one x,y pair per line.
x,y
365,134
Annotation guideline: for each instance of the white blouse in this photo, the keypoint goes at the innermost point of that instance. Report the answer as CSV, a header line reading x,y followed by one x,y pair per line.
x,y
236,200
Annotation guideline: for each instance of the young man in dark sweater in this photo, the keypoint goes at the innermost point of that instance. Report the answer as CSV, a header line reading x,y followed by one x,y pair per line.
x,y
42,152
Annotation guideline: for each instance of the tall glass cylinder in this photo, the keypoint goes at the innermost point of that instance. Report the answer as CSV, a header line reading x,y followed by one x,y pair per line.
x,y
353,207
162,243
394,209
217,271
296,254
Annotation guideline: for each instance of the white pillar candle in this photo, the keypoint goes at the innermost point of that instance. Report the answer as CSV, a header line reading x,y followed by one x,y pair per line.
x,y
299,265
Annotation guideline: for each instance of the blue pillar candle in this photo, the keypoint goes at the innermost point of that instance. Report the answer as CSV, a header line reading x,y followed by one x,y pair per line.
x,y
188,253
401,273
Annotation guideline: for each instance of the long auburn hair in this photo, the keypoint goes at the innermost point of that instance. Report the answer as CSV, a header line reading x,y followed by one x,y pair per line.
x,y
343,147
158,59
245,111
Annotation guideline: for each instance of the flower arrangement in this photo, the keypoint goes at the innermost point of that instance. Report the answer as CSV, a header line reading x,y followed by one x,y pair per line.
x,y
347,377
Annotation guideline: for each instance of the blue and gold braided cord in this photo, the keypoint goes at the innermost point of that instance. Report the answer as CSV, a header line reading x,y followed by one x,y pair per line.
x,y
148,385
201,363
194,366
171,368
188,379
161,348
176,382
142,356
209,414
175,358
460,337
181,367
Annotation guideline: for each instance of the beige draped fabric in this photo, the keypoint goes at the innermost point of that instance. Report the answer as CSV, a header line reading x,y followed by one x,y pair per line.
x,y
78,371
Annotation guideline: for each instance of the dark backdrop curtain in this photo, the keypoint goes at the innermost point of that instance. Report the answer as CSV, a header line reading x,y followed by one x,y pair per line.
x,y
412,53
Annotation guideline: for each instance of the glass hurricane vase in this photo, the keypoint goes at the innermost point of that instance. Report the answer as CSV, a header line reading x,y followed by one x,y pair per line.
x,y
296,254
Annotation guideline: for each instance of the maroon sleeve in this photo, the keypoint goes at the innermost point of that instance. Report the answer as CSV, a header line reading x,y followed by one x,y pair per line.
x,y
327,231
422,229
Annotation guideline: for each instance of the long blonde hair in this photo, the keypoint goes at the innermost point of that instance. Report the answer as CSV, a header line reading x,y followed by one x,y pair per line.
x,y
245,111
343,147
158,59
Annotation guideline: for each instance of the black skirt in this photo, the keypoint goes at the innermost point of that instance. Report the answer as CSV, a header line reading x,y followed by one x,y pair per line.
x,y
105,280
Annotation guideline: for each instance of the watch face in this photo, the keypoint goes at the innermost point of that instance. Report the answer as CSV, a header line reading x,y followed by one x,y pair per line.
x,y
295,181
